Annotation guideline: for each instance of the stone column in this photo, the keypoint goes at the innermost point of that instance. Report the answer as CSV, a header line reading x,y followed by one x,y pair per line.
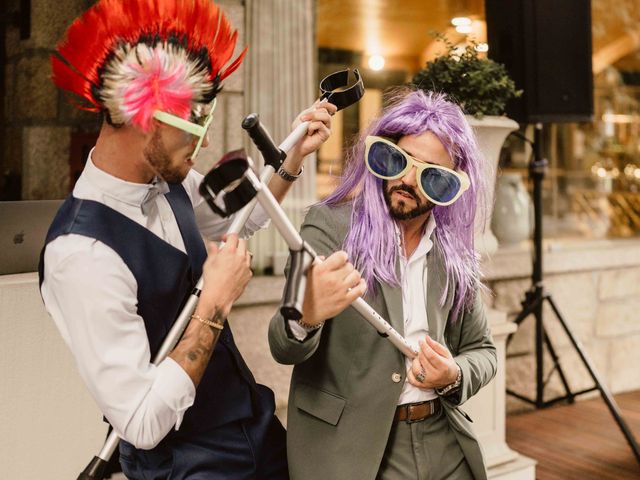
x,y
488,410
280,83
225,132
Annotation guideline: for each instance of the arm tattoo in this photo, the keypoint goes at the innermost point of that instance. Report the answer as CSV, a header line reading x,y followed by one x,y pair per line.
x,y
196,346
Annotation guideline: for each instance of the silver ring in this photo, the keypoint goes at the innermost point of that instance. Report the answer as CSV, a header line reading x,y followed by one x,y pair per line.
x,y
420,375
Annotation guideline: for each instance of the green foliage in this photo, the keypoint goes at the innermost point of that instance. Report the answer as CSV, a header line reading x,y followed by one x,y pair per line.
x,y
479,85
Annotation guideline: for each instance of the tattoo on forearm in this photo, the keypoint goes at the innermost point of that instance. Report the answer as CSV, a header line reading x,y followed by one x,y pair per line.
x,y
195,348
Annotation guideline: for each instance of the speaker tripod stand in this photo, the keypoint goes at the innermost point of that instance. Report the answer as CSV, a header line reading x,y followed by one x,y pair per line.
x,y
533,305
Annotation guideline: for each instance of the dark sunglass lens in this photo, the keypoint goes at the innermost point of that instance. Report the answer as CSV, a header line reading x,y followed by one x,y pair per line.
x,y
440,185
385,160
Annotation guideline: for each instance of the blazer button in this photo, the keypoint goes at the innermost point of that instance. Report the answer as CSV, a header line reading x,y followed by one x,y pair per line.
x,y
396,377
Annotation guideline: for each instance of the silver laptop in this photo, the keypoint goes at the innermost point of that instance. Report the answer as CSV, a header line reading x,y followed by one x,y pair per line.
x,y
23,228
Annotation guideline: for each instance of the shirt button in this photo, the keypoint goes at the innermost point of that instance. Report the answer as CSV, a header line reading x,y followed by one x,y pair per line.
x,y
396,377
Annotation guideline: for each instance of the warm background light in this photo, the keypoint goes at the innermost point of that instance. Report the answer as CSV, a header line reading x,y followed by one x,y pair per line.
x,y
460,21
376,62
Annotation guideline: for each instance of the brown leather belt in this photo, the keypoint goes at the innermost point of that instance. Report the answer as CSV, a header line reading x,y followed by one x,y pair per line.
x,y
416,412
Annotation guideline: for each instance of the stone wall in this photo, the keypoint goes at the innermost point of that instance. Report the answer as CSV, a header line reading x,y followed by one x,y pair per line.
x,y
597,289
38,121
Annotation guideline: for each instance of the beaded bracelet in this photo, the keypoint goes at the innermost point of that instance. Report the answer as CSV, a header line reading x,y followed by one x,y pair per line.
x,y
211,323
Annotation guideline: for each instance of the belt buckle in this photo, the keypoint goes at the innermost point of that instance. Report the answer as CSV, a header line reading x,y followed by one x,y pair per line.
x,y
432,409
410,420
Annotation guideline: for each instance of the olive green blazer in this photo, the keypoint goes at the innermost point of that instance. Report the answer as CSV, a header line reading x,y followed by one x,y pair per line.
x,y
343,395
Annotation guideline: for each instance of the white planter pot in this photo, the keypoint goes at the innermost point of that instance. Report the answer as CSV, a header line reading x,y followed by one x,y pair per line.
x,y
491,131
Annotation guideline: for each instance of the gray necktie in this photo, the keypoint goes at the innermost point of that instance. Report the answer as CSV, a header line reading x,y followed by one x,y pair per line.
x,y
159,187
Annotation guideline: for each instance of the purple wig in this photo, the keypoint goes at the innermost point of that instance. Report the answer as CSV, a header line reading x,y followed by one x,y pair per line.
x,y
369,242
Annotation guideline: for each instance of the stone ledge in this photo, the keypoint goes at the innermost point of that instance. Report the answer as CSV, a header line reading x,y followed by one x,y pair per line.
x,y
562,256
18,279
522,468
261,289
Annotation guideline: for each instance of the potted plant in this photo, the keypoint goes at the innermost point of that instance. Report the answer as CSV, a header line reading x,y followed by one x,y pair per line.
x,y
482,88
479,85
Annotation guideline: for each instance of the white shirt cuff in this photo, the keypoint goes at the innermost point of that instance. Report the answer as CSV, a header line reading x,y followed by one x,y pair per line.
x,y
259,219
298,330
174,387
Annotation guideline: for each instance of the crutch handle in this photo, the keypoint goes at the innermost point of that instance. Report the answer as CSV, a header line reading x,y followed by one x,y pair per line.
x,y
296,283
270,152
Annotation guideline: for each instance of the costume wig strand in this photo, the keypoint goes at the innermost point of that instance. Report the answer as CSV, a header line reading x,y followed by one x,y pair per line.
x,y
370,243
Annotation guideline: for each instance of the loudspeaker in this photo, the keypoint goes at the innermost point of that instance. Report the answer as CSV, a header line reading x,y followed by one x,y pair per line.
x,y
546,47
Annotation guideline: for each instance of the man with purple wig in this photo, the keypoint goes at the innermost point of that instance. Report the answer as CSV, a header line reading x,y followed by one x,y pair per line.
x,y
403,214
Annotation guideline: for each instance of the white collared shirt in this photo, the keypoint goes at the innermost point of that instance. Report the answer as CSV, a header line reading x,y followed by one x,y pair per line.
x,y
92,297
414,304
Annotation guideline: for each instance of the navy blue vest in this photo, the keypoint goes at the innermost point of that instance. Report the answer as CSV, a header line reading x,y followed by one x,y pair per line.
x,y
165,278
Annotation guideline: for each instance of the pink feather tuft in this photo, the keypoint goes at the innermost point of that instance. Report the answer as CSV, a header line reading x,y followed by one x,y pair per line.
x,y
158,86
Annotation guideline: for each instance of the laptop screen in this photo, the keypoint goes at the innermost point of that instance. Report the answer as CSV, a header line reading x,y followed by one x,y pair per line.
x,y
23,228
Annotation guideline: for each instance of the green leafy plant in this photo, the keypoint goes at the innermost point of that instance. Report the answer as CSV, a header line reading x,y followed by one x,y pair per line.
x,y
479,85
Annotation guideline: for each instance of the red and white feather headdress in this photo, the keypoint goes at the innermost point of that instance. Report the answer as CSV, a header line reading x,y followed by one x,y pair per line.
x,y
132,58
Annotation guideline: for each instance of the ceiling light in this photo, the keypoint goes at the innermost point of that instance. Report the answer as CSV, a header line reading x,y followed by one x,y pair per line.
x,y
376,62
460,21
464,29
618,118
482,47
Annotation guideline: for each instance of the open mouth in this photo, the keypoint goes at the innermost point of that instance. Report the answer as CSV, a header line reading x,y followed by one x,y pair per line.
x,y
404,195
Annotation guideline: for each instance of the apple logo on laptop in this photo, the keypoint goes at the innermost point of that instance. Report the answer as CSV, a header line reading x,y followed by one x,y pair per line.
x,y
18,238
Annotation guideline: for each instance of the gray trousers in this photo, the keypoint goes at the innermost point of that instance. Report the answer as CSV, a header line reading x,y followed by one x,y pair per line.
x,y
426,450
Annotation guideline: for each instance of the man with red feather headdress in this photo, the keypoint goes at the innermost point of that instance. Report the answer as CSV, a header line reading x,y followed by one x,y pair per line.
x,y
126,247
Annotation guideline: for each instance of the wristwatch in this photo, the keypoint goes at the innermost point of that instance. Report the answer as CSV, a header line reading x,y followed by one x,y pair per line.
x,y
452,387
310,329
287,176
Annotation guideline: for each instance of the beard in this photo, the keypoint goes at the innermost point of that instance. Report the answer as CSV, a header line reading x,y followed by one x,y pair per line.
x,y
400,210
157,156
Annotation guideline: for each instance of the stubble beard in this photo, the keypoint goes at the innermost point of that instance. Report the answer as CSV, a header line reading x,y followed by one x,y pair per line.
x,y
157,156
400,210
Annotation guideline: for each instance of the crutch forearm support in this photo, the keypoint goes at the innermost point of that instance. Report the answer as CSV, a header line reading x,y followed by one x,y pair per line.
x,y
227,191
334,88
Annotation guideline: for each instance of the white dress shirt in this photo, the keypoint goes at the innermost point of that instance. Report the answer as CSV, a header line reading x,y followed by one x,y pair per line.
x,y
92,297
414,305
